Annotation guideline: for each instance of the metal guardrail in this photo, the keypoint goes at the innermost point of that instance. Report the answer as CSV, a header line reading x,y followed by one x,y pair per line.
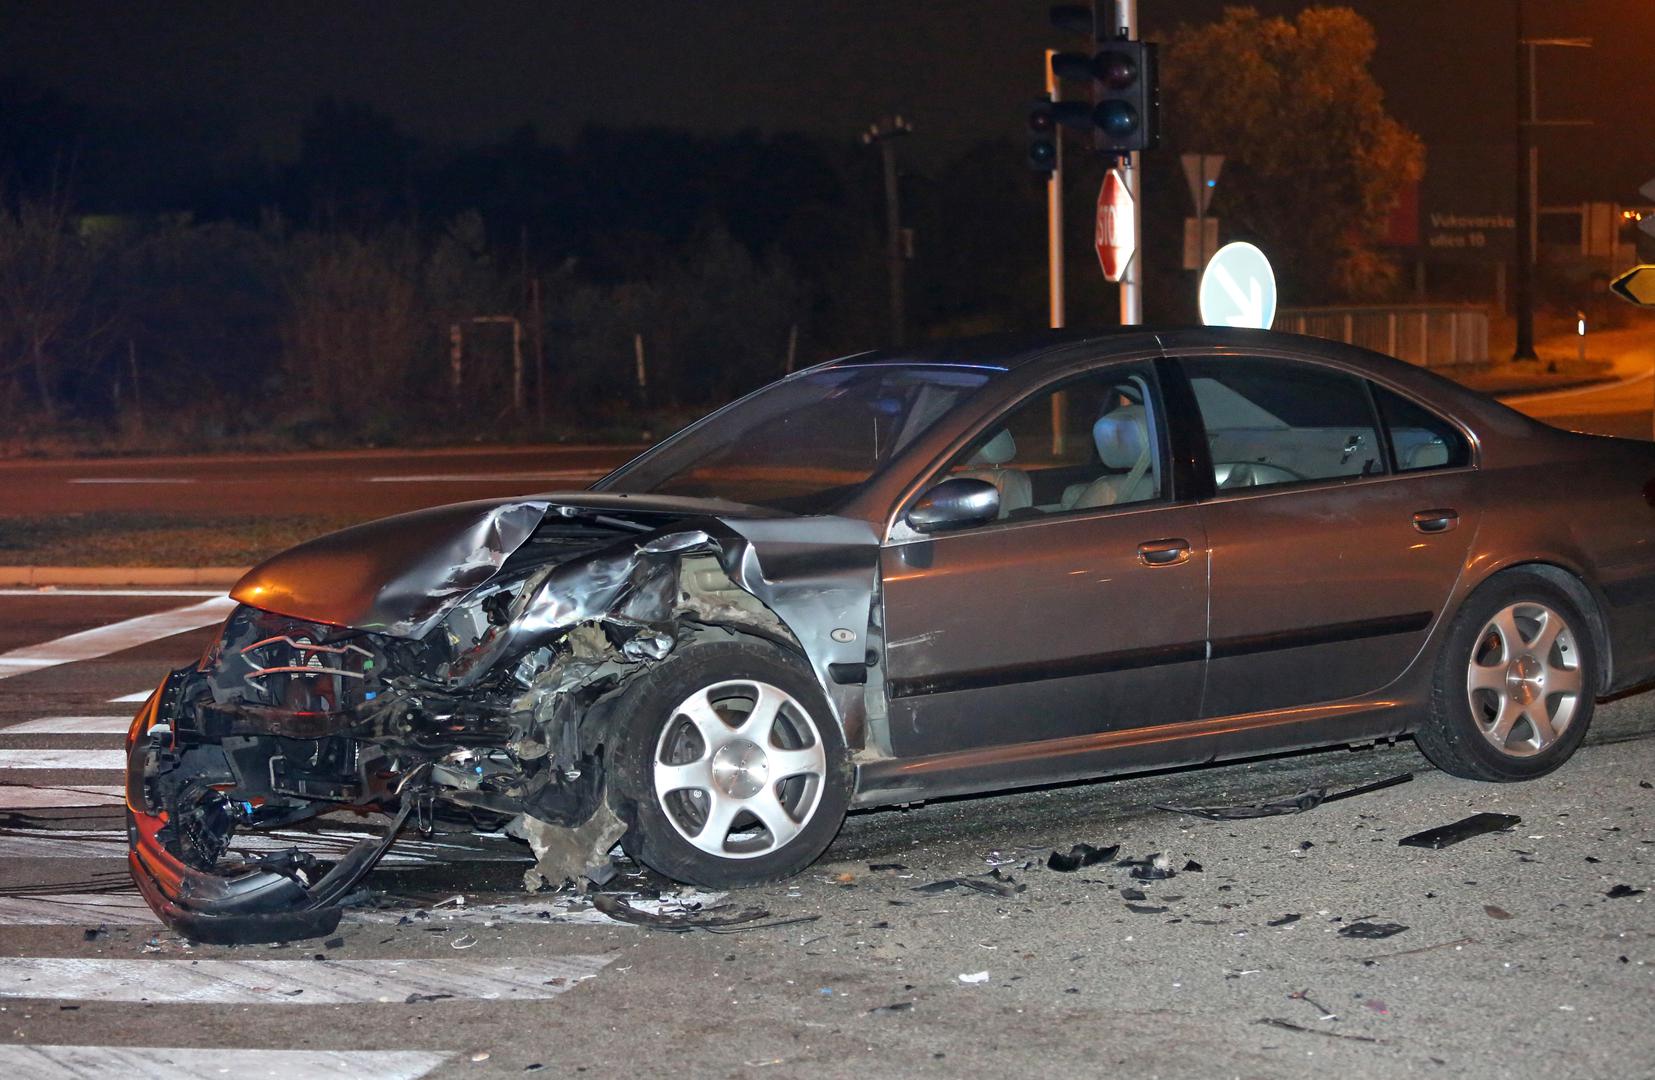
x,y
1430,335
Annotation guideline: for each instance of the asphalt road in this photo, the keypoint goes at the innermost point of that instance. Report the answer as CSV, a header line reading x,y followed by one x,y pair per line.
x,y
373,483
367,483
1515,960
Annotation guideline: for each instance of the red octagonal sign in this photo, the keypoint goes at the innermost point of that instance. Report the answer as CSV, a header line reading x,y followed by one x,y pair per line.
x,y
1117,226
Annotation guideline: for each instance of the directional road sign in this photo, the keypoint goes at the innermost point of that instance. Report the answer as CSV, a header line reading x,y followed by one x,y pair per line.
x,y
1117,227
1636,286
1238,288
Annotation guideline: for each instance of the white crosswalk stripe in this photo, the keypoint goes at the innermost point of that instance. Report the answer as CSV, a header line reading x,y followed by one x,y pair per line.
x,y
104,640
77,909
291,982
136,698
175,1063
18,843
59,796
89,760
70,725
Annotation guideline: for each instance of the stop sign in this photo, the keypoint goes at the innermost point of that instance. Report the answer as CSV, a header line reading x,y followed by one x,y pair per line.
x,y
1117,227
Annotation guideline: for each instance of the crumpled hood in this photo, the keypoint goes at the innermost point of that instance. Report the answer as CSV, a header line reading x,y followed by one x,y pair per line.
x,y
397,575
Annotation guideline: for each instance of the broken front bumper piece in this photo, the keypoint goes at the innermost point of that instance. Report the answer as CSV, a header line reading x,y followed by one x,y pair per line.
x,y
271,899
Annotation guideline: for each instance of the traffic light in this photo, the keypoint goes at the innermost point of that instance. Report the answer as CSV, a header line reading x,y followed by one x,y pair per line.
x,y
1125,111
1042,130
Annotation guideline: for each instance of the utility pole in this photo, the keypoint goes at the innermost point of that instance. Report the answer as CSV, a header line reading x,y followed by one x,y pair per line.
x,y
883,134
1132,295
1528,175
1054,213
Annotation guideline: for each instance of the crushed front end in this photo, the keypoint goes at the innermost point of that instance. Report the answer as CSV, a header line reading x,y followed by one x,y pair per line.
x,y
492,712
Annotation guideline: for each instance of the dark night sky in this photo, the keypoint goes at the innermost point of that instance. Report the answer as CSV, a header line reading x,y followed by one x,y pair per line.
x,y
470,72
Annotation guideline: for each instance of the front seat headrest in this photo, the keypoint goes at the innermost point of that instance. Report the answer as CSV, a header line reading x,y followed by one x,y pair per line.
x,y
1121,436
997,451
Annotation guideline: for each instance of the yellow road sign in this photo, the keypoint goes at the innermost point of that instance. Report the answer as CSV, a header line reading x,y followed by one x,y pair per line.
x,y
1637,285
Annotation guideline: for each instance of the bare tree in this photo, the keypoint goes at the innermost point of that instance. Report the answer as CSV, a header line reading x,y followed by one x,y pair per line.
x,y
45,282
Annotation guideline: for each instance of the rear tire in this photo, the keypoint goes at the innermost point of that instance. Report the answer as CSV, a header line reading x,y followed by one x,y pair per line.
x,y
1515,683
731,768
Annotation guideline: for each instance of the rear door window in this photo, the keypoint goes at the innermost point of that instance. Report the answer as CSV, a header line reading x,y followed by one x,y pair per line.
x,y
1420,439
1271,422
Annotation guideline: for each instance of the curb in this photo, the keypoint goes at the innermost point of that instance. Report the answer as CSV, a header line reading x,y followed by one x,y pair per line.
x,y
44,576
1556,388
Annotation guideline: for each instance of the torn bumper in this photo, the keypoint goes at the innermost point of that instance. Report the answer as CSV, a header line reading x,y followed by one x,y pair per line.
x,y
270,901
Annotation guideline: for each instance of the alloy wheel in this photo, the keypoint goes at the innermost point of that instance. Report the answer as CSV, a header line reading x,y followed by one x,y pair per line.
x,y
739,768
1524,680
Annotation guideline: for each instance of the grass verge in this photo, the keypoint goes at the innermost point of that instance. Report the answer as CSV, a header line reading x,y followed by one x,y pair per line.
x,y
137,539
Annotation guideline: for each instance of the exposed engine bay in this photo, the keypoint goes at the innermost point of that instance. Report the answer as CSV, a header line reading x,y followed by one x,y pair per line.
x,y
490,705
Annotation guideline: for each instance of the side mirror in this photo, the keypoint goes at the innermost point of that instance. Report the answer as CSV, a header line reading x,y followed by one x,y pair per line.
x,y
954,504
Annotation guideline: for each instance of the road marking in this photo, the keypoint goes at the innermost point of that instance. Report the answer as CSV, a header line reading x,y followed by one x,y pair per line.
x,y
77,909
136,698
504,477
127,908
1530,397
174,1063
71,725
94,760
104,640
19,843
53,590
44,796
132,480
291,982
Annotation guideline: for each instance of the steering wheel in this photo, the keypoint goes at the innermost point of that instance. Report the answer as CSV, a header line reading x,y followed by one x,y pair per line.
x,y
1239,474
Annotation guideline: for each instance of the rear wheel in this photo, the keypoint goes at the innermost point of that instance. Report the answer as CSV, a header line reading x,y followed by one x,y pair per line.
x,y
732,765
1514,685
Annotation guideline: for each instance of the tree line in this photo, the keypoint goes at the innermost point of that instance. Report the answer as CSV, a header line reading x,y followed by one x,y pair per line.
x,y
160,283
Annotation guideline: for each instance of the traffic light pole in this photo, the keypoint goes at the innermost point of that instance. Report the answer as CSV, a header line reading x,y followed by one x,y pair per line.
x,y
1054,214
1132,294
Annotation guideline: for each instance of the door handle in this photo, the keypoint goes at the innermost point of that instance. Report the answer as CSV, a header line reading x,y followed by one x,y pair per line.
x,y
1170,552
1436,521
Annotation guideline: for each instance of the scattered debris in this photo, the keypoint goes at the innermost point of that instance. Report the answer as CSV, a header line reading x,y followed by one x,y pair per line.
x,y
1291,804
1157,867
1192,867
994,883
1495,911
711,921
1286,920
1080,855
464,941
1620,891
416,999
1304,996
1378,1006
334,943
879,866
1455,944
975,977
896,1006
1146,909
1464,829
93,933
1288,1025
1371,930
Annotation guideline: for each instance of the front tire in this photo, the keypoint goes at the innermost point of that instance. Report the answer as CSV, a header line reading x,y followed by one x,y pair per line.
x,y
731,765
1515,683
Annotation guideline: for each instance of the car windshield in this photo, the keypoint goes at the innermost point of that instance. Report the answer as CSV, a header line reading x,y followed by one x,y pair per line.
x,y
806,444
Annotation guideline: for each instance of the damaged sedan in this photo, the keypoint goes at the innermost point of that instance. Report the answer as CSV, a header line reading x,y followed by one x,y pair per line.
x,y
970,566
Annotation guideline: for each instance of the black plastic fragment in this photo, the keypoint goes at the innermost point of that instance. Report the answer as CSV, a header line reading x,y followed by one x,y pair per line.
x,y
1146,869
1286,920
1290,804
1371,930
1145,909
1192,867
712,922
1464,829
1132,894
894,1007
878,866
1620,891
1080,855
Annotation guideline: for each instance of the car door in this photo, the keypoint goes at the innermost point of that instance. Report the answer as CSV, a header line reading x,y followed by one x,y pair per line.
x,y
1331,558
1081,609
